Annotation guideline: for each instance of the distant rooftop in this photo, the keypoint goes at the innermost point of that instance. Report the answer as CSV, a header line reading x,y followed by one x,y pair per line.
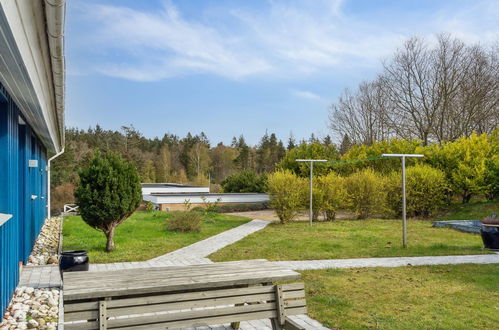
x,y
165,185
207,194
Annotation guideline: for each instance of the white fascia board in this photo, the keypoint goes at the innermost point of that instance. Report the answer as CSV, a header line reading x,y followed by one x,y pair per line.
x,y
26,20
196,199
175,190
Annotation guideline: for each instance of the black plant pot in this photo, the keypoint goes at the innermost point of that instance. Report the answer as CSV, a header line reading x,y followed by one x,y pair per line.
x,y
73,261
490,237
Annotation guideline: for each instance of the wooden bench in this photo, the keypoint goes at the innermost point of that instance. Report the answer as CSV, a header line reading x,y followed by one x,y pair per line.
x,y
176,297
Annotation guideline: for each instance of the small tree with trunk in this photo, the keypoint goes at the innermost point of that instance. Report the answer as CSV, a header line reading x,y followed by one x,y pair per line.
x,y
108,193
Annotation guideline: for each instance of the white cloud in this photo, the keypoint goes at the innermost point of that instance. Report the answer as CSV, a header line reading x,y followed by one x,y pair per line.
x,y
281,39
307,95
163,44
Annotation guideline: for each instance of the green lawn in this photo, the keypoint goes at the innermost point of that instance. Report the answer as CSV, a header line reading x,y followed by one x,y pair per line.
x,y
427,297
361,238
349,239
143,236
476,209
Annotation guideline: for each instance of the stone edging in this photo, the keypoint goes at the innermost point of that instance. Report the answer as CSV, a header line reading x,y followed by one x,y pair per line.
x,y
59,248
60,321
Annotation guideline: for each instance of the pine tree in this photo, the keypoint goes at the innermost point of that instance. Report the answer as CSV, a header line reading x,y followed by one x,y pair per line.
x,y
312,138
327,141
345,145
108,193
291,141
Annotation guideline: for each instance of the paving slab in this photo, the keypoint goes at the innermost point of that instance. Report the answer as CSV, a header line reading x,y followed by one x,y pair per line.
x,y
38,277
390,262
200,250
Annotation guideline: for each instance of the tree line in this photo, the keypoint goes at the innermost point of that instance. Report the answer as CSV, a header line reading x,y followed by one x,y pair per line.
x,y
191,159
430,92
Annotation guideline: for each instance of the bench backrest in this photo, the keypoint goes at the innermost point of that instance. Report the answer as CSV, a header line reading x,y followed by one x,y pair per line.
x,y
190,309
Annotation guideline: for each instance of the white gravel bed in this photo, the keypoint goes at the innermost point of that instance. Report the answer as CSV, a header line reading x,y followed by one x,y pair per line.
x,y
46,246
32,309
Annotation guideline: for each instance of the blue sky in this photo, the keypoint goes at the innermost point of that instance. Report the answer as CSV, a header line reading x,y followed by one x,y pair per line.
x,y
241,67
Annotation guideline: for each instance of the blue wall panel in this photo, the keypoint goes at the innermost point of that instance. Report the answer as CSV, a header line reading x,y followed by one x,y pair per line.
x,y
18,183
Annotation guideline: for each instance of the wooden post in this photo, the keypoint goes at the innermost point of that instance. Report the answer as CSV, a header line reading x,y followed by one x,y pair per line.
x,y
281,315
102,315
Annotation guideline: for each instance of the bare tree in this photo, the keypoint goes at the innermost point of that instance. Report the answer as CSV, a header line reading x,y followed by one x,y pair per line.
x,y
361,115
435,93
199,158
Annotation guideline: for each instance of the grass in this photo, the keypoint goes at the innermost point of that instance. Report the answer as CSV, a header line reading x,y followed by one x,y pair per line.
x,y
476,209
141,237
424,297
350,239
361,238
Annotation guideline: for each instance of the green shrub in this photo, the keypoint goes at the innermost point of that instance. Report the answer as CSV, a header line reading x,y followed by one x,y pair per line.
x,y
366,193
317,198
393,189
199,209
313,150
211,206
286,192
492,177
426,189
108,193
185,221
334,194
242,207
464,163
492,166
375,150
245,181
149,206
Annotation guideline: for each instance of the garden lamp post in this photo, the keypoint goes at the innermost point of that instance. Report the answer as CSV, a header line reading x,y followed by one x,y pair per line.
x,y
404,220
311,161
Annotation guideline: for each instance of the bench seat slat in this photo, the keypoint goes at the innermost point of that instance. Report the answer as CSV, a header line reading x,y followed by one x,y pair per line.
x,y
196,314
82,326
172,306
190,304
294,294
210,320
81,315
70,306
178,297
173,302
204,322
